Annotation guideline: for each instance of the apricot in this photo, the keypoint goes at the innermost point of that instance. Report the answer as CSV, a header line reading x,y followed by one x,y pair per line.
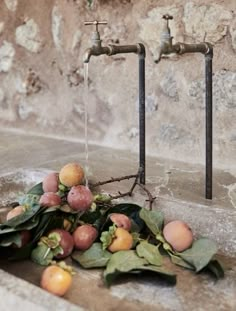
x,y
178,234
80,198
84,236
16,211
49,199
121,221
123,241
51,182
56,280
72,174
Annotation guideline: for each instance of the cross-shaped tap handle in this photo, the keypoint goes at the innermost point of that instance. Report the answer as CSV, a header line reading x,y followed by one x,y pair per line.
x,y
96,23
167,17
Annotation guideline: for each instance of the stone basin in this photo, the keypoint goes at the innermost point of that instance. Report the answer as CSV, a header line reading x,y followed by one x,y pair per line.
x,y
192,292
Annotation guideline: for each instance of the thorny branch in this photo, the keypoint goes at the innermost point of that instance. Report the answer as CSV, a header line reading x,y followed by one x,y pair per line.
x,y
151,199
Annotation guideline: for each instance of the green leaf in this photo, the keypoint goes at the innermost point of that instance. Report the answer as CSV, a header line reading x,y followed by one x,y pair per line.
x,y
180,262
107,237
122,262
42,255
44,225
164,273
10,239
37,189
150,253
200,254
29,200
94,257
215,267
153,219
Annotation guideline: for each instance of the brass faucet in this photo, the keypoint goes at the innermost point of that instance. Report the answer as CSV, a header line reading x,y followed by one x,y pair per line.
x,y
167,47
97,49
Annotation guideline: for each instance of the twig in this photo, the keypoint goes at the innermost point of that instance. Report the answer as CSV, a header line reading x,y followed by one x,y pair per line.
x,y
112,179
128,193
151,199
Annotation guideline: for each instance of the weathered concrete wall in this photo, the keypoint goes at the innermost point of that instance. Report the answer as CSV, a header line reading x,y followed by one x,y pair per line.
x,y
41,74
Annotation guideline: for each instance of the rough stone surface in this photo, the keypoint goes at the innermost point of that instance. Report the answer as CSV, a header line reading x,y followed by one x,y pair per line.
x,y
28,36
224,91
233,33
7,53
47,88
206,22
57,27
11,4
1,27
169,86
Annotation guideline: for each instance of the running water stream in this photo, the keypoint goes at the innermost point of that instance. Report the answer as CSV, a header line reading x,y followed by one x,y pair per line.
x,y
86,100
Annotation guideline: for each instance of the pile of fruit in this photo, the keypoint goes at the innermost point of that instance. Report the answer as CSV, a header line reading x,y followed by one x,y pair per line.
x,y
61,217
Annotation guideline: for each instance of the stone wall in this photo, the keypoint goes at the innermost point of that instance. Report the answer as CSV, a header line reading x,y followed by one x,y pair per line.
x,y
41,74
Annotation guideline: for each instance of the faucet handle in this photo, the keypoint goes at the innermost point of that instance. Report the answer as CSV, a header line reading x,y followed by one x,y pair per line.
x,y
167,17
96,23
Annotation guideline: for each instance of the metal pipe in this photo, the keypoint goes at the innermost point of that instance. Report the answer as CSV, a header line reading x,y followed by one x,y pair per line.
x,y
142,160
208,82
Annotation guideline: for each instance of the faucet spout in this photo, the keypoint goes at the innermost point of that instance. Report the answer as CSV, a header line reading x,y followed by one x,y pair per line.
x,y
87,54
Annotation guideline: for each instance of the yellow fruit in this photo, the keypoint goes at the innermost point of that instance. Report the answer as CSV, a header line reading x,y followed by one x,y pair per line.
x,y
72,174
178,234
56,280
123,241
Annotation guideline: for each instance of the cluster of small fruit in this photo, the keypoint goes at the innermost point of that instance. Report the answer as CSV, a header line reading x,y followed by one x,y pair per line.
x,y
107,234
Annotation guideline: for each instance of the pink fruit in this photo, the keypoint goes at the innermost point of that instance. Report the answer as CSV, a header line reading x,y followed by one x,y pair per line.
x,y
51,182
49,199
15,212
80,198
84,236
121,221
178,234
66,242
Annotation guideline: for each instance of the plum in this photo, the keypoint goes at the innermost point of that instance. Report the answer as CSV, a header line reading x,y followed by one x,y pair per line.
x,y
49,199
80,198
51,182
84,236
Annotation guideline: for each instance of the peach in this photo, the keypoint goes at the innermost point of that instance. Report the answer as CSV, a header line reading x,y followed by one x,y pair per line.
x,y
72,174
178,234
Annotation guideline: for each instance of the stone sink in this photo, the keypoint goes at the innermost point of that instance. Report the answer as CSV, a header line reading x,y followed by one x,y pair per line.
x,y
201,292
179,189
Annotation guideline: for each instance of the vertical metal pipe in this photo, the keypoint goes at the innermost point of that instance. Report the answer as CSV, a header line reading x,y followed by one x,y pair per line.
x,y
208,73
142,117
